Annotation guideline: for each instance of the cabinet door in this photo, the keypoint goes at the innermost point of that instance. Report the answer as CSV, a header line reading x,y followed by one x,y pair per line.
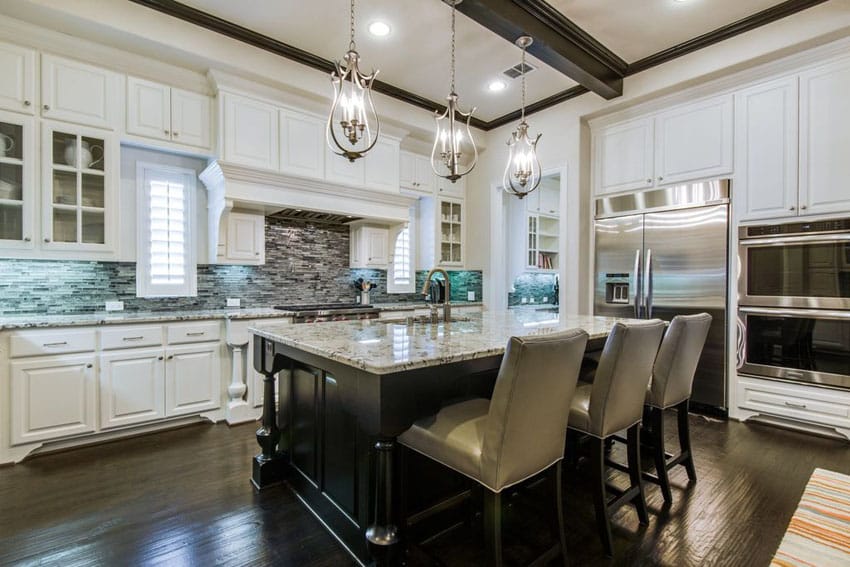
x,y
148,109
424,175
446,188
766,150
192,379
532,202
694,141
623,157
52,397
245,239
550,198
407,171
132,387
381,166
17,181
824,139
376,246
17,89
190,118
76,92
302,145
250,132
339,169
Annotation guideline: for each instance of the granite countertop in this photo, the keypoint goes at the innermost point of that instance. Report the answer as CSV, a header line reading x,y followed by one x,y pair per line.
x,y
36,320
411,305
383,347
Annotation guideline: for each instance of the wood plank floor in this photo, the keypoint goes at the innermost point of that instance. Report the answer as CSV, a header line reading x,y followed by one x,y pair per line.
x,y
146,501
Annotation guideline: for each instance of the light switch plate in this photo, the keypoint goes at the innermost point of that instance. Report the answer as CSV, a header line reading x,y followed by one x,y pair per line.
x,y
234,302
470,296
545,300
115,306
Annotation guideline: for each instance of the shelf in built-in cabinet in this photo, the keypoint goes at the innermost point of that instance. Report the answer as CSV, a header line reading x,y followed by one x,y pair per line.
x,y
11,161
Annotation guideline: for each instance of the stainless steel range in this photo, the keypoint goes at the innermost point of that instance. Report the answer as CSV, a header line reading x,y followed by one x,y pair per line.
x,y
330,312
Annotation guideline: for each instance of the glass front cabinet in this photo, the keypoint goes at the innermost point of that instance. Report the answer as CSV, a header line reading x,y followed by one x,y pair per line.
x,y
78,200
17,182
451,232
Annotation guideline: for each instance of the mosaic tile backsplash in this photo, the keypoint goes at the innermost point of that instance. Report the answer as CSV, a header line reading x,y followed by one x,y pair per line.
x,y
305,263
535,286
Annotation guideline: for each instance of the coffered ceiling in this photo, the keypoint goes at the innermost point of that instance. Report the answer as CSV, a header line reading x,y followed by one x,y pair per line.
x,y
593,42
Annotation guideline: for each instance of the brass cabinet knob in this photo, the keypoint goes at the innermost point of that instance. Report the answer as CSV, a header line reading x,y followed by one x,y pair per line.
x,y
27,238
792,208
175,134
802,207
46,107
649,180
27,103
160,358
89,365
47,240
166,132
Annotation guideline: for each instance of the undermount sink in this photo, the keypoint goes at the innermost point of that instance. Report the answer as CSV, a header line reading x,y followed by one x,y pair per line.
x,y
421,319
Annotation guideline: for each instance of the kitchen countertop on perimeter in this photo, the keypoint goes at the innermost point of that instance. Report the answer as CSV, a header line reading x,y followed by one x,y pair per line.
x,y
381,347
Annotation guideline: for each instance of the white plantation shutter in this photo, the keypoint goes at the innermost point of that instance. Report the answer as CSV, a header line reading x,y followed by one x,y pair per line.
x,y
400,275
166,259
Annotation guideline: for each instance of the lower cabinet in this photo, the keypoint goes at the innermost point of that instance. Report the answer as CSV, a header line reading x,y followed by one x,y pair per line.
x,y
132,387
53,396
192,379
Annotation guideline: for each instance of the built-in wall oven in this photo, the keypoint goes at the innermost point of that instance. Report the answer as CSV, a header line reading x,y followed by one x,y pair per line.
x,y
794,301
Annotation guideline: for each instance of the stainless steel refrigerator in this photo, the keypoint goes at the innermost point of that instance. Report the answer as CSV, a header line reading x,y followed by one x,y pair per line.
x,y
662,253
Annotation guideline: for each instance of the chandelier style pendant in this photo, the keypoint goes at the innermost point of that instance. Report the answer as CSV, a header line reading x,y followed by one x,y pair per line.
x,y
454,153
353,124
522,173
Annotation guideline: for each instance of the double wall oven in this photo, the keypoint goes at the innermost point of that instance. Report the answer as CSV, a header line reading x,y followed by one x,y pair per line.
x,y
794,301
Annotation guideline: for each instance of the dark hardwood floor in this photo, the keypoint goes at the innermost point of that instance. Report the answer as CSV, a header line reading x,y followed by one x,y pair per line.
x,y
183,498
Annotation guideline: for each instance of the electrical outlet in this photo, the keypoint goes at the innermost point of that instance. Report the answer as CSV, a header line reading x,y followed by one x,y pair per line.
x,y
115,306
234,302
525,300
545,300
470,296
532,300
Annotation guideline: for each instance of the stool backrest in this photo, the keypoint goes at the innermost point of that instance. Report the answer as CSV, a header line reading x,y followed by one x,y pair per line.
x,y
681,348
527,422
625,367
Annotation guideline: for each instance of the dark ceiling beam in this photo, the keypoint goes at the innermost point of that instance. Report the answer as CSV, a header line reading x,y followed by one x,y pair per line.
x,y
250,37
558,42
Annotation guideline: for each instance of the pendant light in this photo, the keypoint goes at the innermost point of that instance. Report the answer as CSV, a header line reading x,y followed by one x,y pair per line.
x,y
453,140
353,124
522,173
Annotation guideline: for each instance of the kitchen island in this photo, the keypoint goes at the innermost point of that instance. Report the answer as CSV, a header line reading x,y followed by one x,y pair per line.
x,y
347,389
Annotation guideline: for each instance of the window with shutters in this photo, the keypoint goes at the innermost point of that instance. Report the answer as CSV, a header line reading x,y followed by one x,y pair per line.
x,y
400,276
165,264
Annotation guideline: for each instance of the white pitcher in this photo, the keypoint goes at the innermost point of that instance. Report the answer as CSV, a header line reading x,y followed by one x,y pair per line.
x,y
7,144
86,154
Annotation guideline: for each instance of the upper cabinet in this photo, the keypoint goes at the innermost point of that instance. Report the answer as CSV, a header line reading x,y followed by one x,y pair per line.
x,y
17,89
160,112
446,188
250,132
824,139
243,239
302,144
369,246
17,180
381,165
76,92
340,170
686,143
415,173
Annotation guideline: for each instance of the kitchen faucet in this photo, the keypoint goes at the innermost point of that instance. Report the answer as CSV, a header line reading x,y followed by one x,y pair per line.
x,y
447,308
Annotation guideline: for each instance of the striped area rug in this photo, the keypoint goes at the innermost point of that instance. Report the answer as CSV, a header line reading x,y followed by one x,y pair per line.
x,y
819,532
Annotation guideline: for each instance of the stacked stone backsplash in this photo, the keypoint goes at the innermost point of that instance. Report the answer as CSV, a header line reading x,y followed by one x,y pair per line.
x,y
535,286
306,262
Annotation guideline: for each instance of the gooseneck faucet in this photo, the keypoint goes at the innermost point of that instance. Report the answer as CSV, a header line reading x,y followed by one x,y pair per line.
x,y
447,308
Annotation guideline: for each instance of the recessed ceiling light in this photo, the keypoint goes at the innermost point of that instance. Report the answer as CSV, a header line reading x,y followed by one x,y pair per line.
x,y
379,29
496,86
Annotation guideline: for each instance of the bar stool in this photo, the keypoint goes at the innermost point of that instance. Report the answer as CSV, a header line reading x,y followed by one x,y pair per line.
x,y
672,379
613,402
517,434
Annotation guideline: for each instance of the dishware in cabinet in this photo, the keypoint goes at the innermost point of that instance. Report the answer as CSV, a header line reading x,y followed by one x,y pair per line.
x,y
17,183
79,189
451,219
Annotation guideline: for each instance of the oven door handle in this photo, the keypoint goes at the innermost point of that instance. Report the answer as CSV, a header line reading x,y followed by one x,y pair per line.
x,y
807,313
785,240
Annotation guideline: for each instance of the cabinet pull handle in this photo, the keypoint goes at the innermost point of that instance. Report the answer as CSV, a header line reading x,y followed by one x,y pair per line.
x,y
166,132
132,338
792,208
175,134
47,240
196,334
27,238
160,358
170,356
89,365
27,103
802,207
793,405
649,180
48,345
46,107
660,178
256,253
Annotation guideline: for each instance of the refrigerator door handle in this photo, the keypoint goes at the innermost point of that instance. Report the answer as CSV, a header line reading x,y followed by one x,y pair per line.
x,y
647,286
638,293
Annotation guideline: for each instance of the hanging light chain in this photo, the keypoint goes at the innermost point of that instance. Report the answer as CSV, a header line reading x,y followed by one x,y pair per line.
x,y
523,84
351,27
454,7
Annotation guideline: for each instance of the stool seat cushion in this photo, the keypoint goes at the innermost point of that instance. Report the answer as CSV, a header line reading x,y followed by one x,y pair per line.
x,y
453,437
580,409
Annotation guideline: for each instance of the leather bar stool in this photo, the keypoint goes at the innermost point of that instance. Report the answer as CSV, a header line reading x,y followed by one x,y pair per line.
x,y
672,379
514,436
613,402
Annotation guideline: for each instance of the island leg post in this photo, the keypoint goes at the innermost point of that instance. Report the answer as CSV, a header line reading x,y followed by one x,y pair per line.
x,y
382,535
269,465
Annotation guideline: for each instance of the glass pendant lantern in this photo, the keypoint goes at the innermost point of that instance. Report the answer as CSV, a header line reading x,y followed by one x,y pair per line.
x,y
522,172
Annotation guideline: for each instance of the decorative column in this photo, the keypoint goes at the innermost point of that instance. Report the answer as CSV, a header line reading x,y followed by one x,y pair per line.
x,y
382,535
270,464
238,409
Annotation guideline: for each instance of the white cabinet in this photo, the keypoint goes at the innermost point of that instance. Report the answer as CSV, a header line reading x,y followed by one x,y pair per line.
x,y
77,92
824,139
694,141
157,111
623,156
52,396
302,144
381,166
243,239
446,188
17,68
132,387
369,246
546,199
442,235
192,379
250,132
689,142
340,170
766,150
415,173
17,181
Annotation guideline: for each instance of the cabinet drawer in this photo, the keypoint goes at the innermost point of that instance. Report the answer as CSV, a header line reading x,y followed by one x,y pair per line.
x,y
805,403
35,343
130,337
193,332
